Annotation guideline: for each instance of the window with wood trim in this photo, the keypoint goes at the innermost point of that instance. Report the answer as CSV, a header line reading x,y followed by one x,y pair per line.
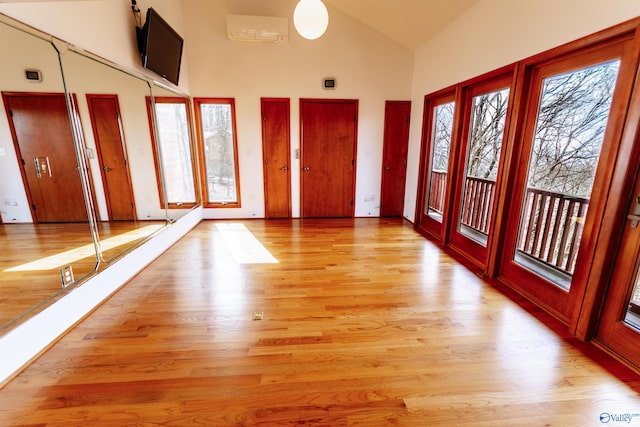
x,y
569,130
173,151
215,120
437,145
561,134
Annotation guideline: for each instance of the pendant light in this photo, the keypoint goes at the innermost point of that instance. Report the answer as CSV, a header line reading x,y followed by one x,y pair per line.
x,y
310,18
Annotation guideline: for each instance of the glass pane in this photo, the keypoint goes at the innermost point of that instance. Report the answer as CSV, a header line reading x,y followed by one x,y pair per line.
x,y
440,145
219,149
572,117
633,310
488,115
173,129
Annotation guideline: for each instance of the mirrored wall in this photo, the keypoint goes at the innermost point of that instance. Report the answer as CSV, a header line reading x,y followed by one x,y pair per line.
x,y
82,177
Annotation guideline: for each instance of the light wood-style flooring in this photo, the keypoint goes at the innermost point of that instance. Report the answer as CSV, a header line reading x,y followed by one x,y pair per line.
x,y
365,323
30,278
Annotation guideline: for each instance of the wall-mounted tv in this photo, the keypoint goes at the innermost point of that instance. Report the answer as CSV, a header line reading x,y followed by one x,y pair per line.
x,y
160,47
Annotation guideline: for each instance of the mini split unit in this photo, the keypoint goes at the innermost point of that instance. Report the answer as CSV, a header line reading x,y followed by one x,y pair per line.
x,y
262,29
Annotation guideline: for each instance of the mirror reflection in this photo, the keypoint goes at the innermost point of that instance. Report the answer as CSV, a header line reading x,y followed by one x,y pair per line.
x,y
44,230
131,134
117,144
173,143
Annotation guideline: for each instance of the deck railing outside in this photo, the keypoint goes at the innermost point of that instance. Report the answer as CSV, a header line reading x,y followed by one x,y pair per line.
x,y
551,227
437,190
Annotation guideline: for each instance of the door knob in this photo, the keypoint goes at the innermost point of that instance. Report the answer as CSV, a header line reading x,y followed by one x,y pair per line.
x,y
388,168
306,168
284,168
106,168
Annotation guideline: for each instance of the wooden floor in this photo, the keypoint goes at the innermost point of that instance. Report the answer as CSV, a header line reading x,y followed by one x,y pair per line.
x,y
365,323
25,288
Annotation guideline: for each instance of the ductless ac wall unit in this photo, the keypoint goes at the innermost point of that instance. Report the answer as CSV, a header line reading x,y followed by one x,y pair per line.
x,y
263,29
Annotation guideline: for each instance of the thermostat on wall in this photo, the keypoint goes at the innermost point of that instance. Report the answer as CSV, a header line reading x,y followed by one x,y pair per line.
x,y
33,75
329,83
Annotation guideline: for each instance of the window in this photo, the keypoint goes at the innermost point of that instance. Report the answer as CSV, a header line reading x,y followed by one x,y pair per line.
x,y
486,129
569,131
440,150
173,142
215,118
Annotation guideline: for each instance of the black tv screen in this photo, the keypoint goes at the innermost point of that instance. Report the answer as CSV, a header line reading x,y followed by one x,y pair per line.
x,y
161,47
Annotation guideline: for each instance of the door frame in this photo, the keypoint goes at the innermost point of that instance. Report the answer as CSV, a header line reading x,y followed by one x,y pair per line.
x,y
263,101
75,129
354,102
99,144
385,145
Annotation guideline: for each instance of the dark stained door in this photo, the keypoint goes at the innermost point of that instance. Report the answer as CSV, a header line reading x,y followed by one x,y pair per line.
x,y
41,131
328,157
276,148
107,131
394,159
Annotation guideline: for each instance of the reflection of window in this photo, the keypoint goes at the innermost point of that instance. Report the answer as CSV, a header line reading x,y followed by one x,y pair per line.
x,y
174,139
216,126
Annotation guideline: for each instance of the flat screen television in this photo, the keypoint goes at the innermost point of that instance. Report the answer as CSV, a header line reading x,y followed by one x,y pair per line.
x,y
160,47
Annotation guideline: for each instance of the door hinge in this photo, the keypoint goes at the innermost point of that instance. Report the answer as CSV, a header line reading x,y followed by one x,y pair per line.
x,y
351,203
23,163
33,207
11,113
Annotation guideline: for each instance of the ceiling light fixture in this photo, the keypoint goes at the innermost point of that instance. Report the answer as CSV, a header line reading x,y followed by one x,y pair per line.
x,y
311,18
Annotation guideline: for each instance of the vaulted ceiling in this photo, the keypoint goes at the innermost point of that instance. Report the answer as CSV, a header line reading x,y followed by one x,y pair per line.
x,y
408,22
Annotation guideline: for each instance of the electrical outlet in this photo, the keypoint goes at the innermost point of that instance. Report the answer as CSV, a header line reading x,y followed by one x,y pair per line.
x,y
66,275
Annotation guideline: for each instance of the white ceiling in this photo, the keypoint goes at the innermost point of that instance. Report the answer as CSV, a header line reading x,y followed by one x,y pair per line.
x,y
408,22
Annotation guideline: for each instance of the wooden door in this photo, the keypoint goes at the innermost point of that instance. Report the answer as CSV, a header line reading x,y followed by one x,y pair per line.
x,y
41,132
107,131
328,157
619,327
394,159
275,150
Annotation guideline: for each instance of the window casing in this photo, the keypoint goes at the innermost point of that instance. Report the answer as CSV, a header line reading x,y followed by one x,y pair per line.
x,y
175,169
216,124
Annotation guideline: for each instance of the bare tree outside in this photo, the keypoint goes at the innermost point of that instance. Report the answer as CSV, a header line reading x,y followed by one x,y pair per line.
x,y
487,121
440,148
572,119
217,128
442,128
486,134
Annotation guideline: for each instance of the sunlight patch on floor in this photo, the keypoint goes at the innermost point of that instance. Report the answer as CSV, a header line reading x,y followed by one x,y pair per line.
x,y
56,261
243,245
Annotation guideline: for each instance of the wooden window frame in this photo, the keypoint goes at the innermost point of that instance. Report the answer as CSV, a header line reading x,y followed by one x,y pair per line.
x,y
424,223
580,308
198,102
476,253
156,161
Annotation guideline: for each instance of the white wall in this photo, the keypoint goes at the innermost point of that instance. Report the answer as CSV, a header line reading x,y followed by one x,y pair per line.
x,y
104,27
111,36
366,65
26,52
495,33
